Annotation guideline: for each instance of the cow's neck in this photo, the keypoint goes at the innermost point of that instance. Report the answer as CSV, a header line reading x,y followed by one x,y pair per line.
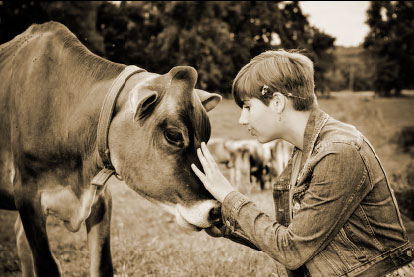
x,y
72,196
72,201
83,130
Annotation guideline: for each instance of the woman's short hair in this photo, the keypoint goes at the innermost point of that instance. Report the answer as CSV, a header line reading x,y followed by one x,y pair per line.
x,y
287,72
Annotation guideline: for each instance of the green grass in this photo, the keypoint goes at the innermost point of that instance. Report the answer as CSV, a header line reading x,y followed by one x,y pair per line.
x,y
147,242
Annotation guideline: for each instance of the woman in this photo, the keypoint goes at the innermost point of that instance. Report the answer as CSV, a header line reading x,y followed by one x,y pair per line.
x,y
336,214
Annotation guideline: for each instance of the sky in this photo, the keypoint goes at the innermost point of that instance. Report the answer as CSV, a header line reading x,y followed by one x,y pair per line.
x,y
344,20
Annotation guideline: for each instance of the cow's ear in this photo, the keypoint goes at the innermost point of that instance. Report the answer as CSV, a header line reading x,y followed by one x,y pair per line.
x,y
142,102
209,100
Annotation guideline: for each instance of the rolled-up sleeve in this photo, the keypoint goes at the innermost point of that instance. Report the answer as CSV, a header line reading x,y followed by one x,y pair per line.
x,y
336,187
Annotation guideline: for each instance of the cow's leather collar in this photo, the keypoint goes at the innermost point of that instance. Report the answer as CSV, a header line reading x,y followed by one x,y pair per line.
x,y
105,118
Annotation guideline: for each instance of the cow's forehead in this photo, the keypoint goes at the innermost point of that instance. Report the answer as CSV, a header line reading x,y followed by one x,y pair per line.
x,y
184,106
153,82
190,112
197,118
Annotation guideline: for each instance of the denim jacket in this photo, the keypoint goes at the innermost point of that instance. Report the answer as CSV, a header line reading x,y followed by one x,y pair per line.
x,y
338,218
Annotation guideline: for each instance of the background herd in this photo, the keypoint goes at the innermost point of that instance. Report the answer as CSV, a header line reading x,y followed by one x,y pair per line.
x,y
251,163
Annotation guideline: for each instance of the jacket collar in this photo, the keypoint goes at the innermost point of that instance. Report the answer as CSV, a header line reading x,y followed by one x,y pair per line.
x,y
316,121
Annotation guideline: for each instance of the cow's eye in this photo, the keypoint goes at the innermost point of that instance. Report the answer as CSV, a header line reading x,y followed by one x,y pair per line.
x,y
174,137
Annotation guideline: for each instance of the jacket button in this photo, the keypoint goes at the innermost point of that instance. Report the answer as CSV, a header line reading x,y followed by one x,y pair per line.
x,y
228,223
409,253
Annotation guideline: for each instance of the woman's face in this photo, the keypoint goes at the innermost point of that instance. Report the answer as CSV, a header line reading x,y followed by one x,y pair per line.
x,y
260,119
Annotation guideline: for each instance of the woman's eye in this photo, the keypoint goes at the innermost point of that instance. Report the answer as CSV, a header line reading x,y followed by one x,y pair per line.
x,y
246,107
175,138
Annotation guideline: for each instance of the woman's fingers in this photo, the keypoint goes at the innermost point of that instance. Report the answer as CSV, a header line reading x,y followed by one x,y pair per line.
x,y
212,178
202,159
206,153
198,172
206,160
208,156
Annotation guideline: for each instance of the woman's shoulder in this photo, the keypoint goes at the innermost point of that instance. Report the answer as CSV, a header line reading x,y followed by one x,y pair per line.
x,y
339,134
337,137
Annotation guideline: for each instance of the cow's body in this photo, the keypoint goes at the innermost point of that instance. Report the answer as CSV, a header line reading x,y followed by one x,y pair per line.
x,y
280,152
51,93
217,148
250,161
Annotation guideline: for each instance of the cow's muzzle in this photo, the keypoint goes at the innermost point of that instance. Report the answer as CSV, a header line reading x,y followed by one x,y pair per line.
x,y
201,215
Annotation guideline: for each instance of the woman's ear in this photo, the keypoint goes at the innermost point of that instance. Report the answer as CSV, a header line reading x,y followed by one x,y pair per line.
x,y
278,102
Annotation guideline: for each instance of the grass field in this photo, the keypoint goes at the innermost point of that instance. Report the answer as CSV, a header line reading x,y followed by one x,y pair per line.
x,y
147,242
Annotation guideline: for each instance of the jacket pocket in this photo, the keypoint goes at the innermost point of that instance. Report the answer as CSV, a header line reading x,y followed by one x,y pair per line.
x,y
354,248
326,263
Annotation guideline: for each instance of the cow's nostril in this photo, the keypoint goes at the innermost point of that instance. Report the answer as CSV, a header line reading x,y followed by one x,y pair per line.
x,y
215,213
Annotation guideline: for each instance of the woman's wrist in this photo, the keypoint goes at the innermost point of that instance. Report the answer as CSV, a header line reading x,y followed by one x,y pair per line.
x,y
225,194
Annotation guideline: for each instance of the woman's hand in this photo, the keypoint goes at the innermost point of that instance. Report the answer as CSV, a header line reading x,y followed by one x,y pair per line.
x,y
212,178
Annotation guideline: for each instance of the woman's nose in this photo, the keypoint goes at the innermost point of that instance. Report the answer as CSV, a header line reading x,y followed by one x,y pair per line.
x,y
244,117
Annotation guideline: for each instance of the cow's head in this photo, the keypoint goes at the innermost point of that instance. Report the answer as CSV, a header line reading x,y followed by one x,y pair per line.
x,y
159,123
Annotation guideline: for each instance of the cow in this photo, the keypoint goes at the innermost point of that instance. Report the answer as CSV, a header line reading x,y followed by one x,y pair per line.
x,y
217,148
280,152
71,120
239,163
242,157
250,161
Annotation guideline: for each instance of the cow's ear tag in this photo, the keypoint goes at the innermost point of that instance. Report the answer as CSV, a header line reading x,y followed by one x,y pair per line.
x,y
141,101
209,100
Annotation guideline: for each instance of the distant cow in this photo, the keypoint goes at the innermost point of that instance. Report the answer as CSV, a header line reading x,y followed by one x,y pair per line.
x,y
217,148
250,161
244,158
239,164
281,152
70,120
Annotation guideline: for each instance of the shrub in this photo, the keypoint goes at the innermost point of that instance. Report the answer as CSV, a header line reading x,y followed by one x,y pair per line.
x,y
405,139
403,185
405,199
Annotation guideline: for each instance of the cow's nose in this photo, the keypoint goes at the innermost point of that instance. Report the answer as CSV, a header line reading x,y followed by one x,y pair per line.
x,y
184,73
203,214
215,213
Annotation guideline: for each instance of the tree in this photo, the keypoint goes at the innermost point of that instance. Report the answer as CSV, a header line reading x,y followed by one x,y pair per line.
x,y
159,35
352,69
292,27
79,17
390,42
17,16
216,37
322,47
112,24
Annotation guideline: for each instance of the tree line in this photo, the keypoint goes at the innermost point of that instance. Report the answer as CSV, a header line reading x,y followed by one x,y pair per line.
x,y
219,37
